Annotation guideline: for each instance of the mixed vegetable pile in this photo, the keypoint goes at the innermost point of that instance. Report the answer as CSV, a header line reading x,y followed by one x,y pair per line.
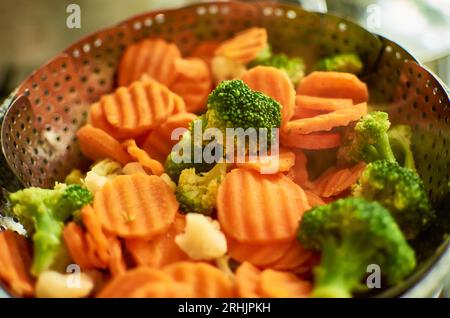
x,y
344,196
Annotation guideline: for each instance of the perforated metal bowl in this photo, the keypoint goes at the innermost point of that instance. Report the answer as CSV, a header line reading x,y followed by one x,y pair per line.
x,y
41,117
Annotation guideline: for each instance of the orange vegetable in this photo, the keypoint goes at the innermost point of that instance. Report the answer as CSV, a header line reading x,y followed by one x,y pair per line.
x,y
161,250
244,46
274,83
325,122
143,158
286,159
94,227
256,208
205,51
300,113
97,144
169,289
136,206
277,284
294,257
154,57
158,143
335,181
313,199
128,283
322,103
256,254
136,109
97,118
313,141
15,263
193,83
206,280
116,263
247,281
300,169
334,85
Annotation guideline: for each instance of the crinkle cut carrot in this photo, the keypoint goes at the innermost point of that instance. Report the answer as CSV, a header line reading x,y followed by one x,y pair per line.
x,y
136,109
276,284
313,141
322,103
143,158
325,122
285,158
300,113
244,46
154,57
274,83
300,169
207,280
158,144
294,257
334,85
136,206
126,284
117,265
260,255
94,228
97,119
247,281
97,144
205,51
161,250
313,199
193,83
15,263
257,208
164,290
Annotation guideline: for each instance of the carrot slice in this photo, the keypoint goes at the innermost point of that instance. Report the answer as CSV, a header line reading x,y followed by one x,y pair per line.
x,y
313,199
136,109
256,208
300,113
313,141
164,290
154,57
15,263
247,281
207,280
136,206
300,169
205,51
97,118
158,144
294,257
322,103
116,264
143,158
260,255
274,83
285,161
334,85
97,144
161,250
94,228
276,284
193,83
244,46
75,241
326,122
124,285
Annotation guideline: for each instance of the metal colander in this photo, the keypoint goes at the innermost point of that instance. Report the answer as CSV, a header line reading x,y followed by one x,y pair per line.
x,y
41,117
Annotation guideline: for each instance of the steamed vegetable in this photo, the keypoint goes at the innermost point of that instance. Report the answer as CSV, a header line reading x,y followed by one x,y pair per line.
x,y
344,62
400,140
351,234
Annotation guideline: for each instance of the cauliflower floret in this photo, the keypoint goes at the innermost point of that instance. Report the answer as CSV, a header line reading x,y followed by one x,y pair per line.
x,y
225,69
51,284
94,182
202,239
132,168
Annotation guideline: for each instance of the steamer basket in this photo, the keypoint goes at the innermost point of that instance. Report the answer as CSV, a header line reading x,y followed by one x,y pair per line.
x,y
41,117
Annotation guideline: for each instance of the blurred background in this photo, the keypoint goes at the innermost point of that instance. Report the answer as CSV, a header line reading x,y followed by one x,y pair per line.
x,y
32,31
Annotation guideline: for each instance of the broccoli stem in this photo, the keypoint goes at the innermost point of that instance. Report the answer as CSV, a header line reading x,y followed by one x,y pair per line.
x,y
385,150
336,277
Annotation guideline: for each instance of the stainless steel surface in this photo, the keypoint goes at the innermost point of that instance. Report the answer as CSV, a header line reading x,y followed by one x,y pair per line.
x,y
38,130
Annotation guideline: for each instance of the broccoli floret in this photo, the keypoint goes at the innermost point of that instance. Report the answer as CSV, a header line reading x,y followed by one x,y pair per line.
x,y
400,141
401,191
368,140
293,67
351,234
234,105
44,211
264,54
174,168
197,192
346,62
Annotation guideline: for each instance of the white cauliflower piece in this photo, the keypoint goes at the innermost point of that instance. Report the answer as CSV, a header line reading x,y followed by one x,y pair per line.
x,y
132,168
202,239
51,284
94,182
169,181
225,69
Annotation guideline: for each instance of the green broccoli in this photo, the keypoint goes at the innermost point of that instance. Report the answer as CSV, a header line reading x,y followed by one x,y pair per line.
x,y
264,54
344,62
401,191
44,211
197,192
293,67
234,105
400,141
351,234
368,140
